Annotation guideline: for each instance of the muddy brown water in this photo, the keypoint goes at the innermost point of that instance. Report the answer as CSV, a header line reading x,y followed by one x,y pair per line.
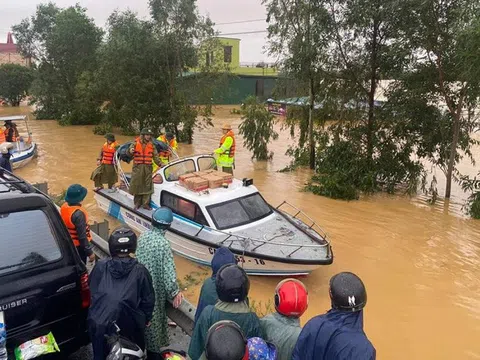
x,y
420,263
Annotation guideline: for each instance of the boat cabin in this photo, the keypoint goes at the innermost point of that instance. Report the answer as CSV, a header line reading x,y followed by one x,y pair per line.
x,y
221,208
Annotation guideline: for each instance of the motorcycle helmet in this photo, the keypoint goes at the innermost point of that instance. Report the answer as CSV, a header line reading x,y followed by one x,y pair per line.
x,y
291,298
122,241
347,292
259,349
232,283
225,340
162,218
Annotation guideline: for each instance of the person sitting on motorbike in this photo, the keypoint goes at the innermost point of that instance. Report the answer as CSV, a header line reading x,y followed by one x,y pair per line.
x,y
122,294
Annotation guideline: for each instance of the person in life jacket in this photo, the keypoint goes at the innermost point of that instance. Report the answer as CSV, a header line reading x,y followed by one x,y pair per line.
x,y
75,218
282,328
208,294
11,132
225,340
107,173
338,334
144,155
226,151
122,294
232,285
169,139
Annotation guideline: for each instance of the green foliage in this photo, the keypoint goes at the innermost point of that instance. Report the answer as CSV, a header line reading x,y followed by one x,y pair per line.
x,y
260,308
472,186
15,82
64,43
438,90
257,128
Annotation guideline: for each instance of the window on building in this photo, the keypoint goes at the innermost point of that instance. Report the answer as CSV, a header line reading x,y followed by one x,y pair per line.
x,y
183,207
227,54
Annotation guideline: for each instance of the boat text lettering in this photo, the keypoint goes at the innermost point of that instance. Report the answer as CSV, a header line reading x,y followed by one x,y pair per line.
x,y
139,221
240,258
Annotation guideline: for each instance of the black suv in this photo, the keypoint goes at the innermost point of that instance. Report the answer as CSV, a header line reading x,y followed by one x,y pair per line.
x,y
43,282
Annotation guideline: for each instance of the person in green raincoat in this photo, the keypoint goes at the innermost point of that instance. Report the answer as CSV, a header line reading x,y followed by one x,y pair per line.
x,y
144,155
282,328
155,254
232,286
106,173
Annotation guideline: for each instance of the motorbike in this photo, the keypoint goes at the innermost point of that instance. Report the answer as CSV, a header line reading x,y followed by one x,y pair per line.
x,y
120,348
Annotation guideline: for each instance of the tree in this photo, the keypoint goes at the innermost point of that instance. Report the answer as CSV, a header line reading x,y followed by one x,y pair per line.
x,y
64,43
297,34
15,82
257,128
442,79
182,33
131,75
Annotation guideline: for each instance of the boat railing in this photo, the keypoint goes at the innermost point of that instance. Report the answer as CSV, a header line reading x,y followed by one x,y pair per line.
x,y
313,225
121,173
245,241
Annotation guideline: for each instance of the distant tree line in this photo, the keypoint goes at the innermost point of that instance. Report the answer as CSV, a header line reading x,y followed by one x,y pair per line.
x,y
339,51
130,75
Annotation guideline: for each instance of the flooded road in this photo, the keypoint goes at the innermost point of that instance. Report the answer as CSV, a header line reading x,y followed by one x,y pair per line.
x,y
420,263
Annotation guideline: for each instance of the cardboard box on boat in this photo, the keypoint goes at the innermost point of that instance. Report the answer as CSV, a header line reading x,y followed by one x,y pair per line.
x,y
184,177
200,173
227,178
214,181
197,183
210,171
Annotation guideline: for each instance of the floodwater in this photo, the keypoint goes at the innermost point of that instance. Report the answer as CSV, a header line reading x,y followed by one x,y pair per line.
x,y
420,263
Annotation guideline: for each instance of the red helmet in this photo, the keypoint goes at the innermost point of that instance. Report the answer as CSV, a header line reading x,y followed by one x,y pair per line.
x,y
291,298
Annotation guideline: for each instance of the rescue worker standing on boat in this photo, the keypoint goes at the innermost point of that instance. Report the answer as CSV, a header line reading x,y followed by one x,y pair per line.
x,y
169,139
75,218
226,151
144,155
10,131
107,173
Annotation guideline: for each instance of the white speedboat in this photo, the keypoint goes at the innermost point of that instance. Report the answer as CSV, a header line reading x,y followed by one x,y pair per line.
x,y
24,148
266,240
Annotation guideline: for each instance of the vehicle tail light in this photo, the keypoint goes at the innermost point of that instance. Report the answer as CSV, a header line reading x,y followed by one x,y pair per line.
x,y
85,291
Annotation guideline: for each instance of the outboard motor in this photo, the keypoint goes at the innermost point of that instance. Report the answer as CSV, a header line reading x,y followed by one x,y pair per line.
x,y
120,348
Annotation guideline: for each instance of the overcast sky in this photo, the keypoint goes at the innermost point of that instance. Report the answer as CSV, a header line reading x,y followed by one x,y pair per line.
x,y
220,11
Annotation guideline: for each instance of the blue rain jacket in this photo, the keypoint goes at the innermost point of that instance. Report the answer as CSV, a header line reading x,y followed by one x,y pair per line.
x,y
336,335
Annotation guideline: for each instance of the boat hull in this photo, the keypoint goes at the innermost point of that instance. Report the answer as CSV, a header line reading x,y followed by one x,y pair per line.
x,y
198,251
22,158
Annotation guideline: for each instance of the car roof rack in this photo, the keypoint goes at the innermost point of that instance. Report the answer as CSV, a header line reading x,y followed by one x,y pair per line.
x,y
13,182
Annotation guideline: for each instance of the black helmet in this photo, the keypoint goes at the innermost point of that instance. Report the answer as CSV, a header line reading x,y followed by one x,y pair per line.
x,y
169,135
146,131
232,283
110,137
225,340
122,241
347,292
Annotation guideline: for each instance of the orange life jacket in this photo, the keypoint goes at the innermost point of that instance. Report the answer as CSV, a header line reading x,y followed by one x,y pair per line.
x,y
231,151
3,138
15,135
108,153
143,155
66,211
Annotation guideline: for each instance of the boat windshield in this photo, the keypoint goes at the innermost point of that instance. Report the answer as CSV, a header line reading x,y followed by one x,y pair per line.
x,y
239,211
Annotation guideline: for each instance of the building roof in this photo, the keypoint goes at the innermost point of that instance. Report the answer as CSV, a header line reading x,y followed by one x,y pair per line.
x,y
9,46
